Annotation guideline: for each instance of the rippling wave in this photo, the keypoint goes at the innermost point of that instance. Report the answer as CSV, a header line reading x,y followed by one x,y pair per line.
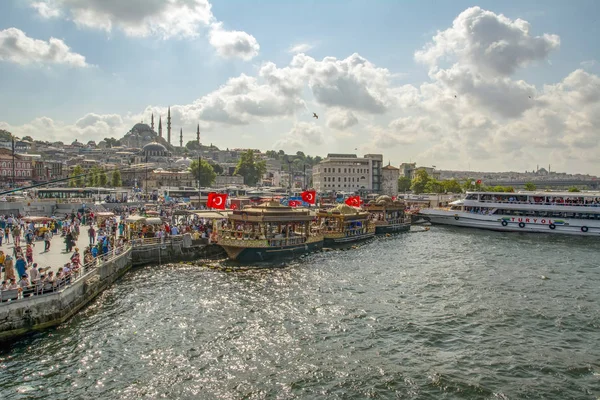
x,y
449,313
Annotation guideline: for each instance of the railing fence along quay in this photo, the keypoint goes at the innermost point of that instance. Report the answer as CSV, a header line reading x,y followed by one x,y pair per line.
x,y
142,242
46,288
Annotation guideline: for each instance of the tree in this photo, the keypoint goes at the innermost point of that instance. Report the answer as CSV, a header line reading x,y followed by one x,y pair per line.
x,y
115,180
205,173
452,186
251,169
434,186
419,182
192,145
272,154
76,180
92,177
530,186
28,138
5,135
317,159
218,169
102,179
404,183
573,189
112,142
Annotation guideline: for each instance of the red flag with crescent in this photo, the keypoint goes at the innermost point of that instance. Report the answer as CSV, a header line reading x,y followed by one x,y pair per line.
x,y
216,200
294,203
233,206
353,201
309,196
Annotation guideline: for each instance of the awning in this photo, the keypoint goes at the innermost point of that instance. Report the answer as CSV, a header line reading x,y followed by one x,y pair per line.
x,y
154,221
135,218
36,219
210,214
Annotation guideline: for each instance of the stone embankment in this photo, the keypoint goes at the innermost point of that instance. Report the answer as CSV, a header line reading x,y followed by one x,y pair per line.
x,y
50,308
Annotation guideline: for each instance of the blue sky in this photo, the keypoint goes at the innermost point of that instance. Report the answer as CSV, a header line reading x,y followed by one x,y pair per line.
x,y
129,74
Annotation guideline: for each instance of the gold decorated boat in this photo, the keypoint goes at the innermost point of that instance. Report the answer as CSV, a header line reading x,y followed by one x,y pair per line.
x,y
344,224
266,231
388,215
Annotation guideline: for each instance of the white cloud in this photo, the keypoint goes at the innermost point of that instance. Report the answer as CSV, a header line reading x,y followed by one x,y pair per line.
x,y
490,43
46,9
342,120
233,44
162,18
17,47
300,48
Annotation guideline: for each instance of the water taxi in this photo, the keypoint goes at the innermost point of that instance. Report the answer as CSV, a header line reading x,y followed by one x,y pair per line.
x,y
388,215
269,230
344,224
548,212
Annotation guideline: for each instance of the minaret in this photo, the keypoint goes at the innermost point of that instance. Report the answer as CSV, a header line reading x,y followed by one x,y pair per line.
x,y
160,127
169,126
181,137
152,122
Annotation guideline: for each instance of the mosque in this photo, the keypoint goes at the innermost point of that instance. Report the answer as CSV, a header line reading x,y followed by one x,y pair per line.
x,y
154,147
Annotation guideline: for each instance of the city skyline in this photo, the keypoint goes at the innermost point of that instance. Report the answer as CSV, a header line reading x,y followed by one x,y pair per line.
x,y
497,87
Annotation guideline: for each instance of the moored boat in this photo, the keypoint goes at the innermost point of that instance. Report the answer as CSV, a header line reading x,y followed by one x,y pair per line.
x,y
269,230
543,212
388,215
344,224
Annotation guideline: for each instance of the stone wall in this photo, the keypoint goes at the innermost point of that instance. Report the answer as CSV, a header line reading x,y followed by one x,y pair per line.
x,y
176,251
38,312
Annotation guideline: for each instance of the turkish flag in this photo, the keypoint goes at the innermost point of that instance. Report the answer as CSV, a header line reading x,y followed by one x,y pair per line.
x,y
309,196
353,201
294,203
216,200
233,206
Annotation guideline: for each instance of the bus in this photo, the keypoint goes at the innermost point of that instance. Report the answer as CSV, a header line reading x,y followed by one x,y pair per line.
x,y
92,194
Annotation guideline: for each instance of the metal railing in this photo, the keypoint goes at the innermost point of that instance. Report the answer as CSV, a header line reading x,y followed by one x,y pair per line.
x,y
152,241
76,275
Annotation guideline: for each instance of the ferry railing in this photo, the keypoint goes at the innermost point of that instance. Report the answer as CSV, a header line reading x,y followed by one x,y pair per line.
x,y
76,275
533,203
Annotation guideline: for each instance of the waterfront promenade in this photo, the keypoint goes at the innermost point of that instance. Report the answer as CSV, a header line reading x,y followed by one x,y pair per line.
x,y
56,257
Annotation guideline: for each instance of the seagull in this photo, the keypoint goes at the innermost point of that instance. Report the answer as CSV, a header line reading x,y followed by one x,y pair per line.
x,y
315,116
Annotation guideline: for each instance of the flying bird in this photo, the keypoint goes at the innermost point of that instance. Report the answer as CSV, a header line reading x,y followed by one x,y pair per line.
x,y
315,116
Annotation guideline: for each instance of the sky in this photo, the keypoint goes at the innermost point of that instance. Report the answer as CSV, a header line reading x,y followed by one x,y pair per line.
x,y
489,86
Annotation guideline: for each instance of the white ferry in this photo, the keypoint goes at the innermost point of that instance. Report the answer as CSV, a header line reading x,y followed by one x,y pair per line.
x,y
547,212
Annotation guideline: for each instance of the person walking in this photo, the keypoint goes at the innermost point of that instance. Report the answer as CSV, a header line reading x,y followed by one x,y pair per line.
x,y
92,235
47,238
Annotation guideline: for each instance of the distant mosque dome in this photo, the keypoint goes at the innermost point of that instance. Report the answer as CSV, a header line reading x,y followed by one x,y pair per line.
x,y
183,162
140,127
155,149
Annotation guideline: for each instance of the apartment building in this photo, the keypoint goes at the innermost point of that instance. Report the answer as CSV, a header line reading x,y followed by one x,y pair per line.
x,y
348,173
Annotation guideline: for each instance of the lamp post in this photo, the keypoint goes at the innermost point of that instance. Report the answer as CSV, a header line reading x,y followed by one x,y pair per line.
x,y
290,176
146,170
12,137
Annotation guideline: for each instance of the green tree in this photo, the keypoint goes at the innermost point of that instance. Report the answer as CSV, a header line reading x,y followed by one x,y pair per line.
x,y
434,186
112,142
192,145
205,173
92,177
451,186
102,178
251,169
573,189
404,183
28,138
419,182
76,180
317,159
218,169
5,135
115,180
272,154
530,186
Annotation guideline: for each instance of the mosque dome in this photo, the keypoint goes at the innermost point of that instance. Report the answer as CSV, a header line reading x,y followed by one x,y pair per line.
x,y
141,127
155,149
183,162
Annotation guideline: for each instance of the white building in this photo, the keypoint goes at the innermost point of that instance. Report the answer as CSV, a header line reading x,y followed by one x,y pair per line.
x,y
348,173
